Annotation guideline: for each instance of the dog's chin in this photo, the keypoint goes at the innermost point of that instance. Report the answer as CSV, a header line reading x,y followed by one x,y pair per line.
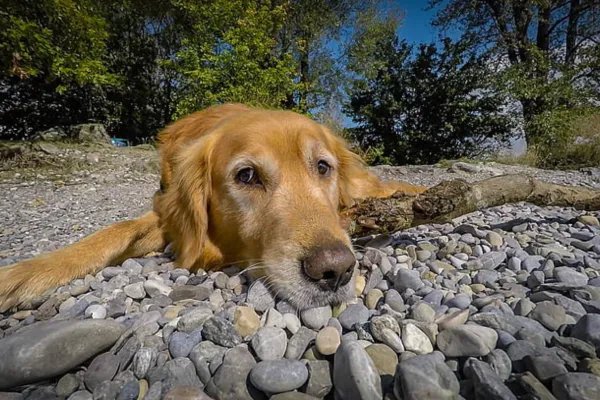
x,y
303,294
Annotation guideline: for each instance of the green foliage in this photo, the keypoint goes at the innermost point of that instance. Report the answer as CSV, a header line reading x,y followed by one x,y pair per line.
x,y
436,104
227,56
63,40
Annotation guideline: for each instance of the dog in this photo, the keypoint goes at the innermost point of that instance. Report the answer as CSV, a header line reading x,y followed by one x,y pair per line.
x,y
254,187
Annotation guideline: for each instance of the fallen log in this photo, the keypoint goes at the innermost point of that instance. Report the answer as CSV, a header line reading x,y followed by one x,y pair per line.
x,y
451,199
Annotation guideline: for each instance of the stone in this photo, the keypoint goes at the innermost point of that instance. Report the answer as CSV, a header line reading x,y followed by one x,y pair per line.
x,y
270,343
299,342
500,363
407,279
229,382
353,314
174,373
221,332
544,368
570,277
319,382
52,349
359,285
186,393
81,395
155,288
384,358
467,341
275,319
328,340
586,329
189,292
576,386
292,322
486,382
66,386
550,315
372,298
354,373
180,343
194,319
135,290
588,220
102,368
316,318
394,300
423,312
95,311
144,359
415,340
534,387
202,356
260,297
246,321
452,319
425,377
277,376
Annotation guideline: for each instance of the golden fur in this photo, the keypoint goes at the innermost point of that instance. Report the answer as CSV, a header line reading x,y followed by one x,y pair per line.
x,y
213,220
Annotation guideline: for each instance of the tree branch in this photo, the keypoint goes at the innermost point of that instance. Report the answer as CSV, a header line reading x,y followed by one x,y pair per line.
x,y
451,199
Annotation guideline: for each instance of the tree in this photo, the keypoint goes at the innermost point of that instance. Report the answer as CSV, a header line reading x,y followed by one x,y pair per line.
x,y
546,50
436,104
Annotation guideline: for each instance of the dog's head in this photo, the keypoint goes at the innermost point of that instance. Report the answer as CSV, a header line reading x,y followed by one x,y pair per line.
x,y
264,188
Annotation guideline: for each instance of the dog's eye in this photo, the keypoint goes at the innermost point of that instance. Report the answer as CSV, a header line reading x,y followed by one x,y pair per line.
x,y
248,176
323,168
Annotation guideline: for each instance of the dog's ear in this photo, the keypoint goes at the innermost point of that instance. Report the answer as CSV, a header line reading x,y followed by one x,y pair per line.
x,y
355,181
185,204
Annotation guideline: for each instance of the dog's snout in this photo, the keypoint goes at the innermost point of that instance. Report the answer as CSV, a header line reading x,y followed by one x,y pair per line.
x,y
330,265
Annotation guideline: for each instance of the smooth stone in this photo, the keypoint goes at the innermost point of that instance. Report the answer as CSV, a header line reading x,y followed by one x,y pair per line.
x,y
52,349
500,363
66,386
135,290
245,321
467,340
587,329
452,319
384,357
186,393
487,383
293,396
260,296
189,292
155,288
275,319
181,344
81,395
194,319
415,340
328,340
319,382
270,343
292,322
221,331
569,276
423,312
425,377
576,386
544,368
144,359
316,318
549,314
299,342
277,376
102,368
353,314
355,375
534,387
394,300
95,311
229,381
407,279
202,356
372,298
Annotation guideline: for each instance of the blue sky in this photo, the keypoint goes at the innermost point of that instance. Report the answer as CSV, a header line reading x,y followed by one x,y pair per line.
x,y
416,24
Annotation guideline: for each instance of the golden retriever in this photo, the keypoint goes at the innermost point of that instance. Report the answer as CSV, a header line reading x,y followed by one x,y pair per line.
x,y
238,185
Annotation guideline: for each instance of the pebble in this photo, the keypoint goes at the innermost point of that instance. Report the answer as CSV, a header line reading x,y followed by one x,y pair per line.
x,y
486,382
328,340
550,315
229,381
102,368
220,331
355,375
576,386
246,321
135,290
316,318
95,311
53,349
425,377
277,376
415,340
467,341
353,314
319,382
270,343
384,358
260,297
299,342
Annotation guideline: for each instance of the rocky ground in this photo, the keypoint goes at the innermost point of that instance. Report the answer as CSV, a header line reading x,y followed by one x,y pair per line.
x,y
498,304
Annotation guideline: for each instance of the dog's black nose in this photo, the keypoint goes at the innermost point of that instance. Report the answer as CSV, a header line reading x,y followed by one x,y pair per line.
x,y
330,266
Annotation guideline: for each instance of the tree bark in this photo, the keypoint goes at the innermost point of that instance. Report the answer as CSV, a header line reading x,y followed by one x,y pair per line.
x,y
571,39
451,199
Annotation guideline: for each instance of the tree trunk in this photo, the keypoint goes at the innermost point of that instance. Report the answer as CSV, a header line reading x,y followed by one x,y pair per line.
x,y
451,199
572,25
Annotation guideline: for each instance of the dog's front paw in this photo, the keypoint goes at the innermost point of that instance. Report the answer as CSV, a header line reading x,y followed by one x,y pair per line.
x,y
21,283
